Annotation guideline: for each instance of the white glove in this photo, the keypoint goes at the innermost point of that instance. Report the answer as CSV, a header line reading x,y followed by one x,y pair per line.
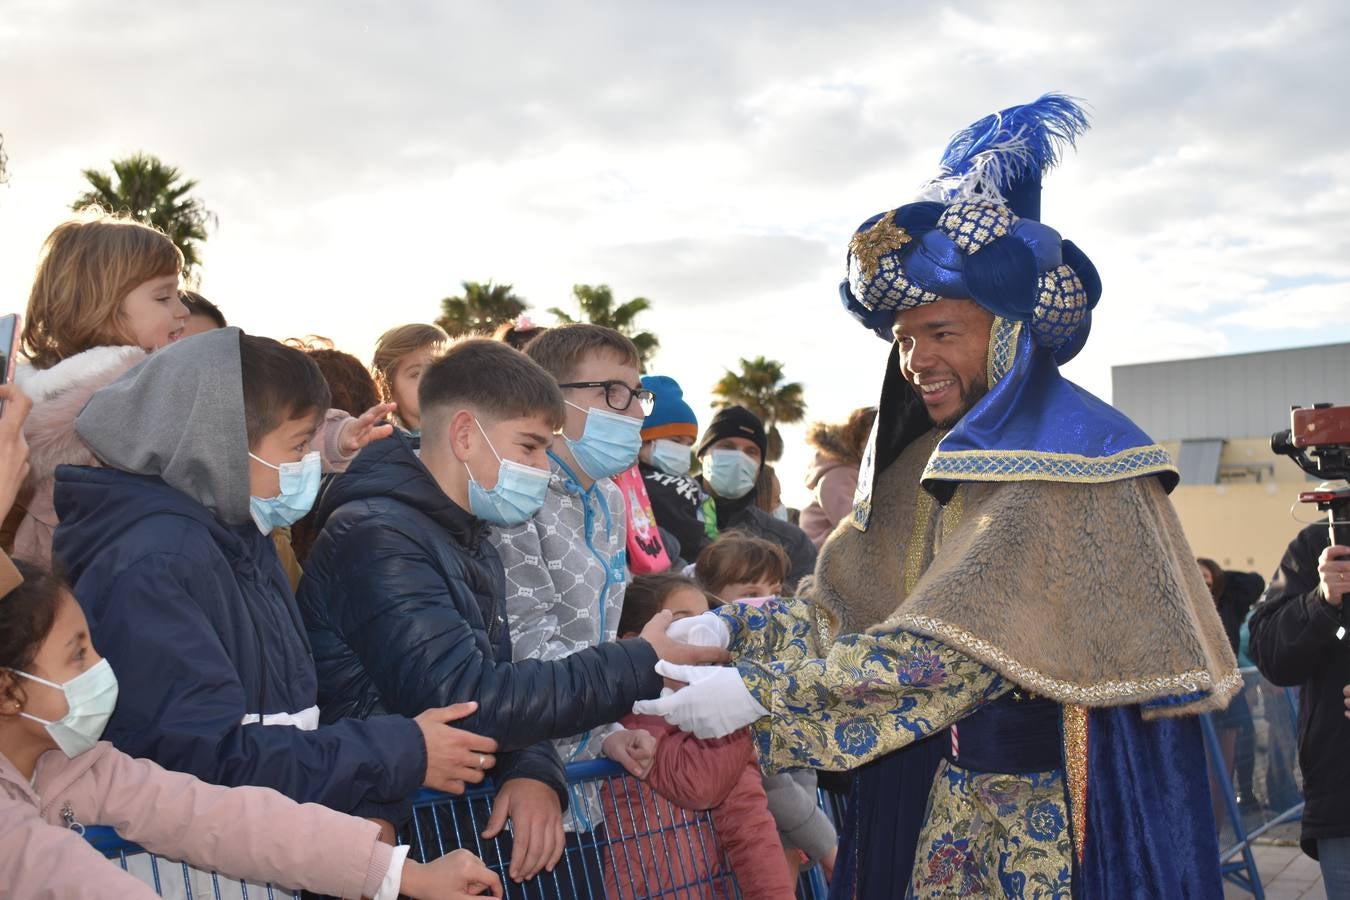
x,y
704,630
715,703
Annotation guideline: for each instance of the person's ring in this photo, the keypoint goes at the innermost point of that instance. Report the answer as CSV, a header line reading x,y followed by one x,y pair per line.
x,y
482,761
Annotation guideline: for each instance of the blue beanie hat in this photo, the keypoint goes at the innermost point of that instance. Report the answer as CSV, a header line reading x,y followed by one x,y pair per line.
x,y
671,416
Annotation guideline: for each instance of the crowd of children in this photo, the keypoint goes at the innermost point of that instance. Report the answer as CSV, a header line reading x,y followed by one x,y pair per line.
x,y
262,594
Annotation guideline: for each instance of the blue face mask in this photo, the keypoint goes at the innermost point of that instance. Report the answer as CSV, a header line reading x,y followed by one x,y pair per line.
x,y
299,487
671,457
517,495
91,697
609,444
730,473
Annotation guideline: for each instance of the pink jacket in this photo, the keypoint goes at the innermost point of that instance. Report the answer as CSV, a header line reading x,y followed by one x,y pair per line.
x,y
832,482
690,773
59,394
246,832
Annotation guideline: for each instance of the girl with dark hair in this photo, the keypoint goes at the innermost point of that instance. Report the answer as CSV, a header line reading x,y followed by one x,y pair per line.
x,y
56,777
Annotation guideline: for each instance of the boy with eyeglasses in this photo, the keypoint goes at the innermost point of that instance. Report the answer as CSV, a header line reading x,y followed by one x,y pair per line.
x,y
566,568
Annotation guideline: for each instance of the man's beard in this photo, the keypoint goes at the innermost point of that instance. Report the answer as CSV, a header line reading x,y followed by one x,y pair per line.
x,y
969,397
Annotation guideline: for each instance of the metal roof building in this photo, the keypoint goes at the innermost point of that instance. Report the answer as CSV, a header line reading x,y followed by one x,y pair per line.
x,y
1243,395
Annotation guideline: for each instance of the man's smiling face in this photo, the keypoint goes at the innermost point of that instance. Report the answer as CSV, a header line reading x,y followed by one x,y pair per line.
x,y
943,351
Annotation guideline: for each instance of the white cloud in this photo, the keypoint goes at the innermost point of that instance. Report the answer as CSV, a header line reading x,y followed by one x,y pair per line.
x,y
365,158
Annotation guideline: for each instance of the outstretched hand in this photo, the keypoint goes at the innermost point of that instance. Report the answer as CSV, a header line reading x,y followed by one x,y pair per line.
x,y
364,429
673,651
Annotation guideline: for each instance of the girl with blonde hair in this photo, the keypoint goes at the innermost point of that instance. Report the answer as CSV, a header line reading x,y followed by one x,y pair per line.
x,y
402,354
105,294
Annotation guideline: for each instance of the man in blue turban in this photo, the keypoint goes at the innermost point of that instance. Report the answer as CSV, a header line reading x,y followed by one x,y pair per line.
x,y
1012,641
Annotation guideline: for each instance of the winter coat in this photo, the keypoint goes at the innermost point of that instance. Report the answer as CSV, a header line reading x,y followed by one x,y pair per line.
x,y
566,570
832,482
1297,638
244,832
677,503
187,600
721,775
58,394
403,598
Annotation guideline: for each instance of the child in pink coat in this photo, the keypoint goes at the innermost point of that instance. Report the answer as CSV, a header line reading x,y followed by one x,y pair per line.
x,y
56,694
654,853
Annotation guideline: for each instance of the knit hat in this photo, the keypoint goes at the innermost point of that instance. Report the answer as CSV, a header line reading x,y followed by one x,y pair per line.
x,y
735,421
671,417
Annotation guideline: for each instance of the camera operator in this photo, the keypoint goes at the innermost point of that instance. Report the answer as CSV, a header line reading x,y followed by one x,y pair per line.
x,y
1298,638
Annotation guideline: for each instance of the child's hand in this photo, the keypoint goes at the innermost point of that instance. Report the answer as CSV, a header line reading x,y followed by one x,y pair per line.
x,y
454,756
535,812
456,875
634,749
358,432
673,651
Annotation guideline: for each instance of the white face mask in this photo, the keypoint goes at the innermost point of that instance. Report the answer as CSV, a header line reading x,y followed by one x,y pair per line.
x,y
90,699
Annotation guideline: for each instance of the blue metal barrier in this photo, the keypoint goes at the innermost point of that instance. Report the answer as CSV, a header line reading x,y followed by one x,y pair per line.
x,y
1281,805
644,849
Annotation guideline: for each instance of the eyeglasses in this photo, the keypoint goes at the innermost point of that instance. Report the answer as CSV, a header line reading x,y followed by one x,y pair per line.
x,y
619,396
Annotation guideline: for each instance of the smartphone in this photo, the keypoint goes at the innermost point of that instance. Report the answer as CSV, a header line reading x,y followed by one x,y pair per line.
x,y
9,347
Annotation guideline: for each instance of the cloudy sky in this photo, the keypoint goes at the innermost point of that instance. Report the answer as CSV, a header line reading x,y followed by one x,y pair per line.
x,y
364,158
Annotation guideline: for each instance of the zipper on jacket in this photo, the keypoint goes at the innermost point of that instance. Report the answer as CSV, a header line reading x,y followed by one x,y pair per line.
x,y
68,816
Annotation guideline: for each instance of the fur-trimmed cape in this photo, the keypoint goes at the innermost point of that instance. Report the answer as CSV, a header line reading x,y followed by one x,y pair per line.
x,y
1085,593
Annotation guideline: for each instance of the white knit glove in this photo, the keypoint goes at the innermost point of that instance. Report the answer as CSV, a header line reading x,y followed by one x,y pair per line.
x,y
705,630
715,703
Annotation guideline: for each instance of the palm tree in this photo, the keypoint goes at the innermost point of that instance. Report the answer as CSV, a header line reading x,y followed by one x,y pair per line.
x,y
480,310
597,307
147,190
759,388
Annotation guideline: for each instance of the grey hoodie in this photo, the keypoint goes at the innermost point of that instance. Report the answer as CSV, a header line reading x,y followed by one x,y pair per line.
x,y
180,416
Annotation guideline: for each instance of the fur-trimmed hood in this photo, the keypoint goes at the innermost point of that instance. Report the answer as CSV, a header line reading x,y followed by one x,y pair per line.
x,y
59,393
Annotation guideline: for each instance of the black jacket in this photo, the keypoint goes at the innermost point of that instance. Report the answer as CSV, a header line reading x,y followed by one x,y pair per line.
x,y
403,599
1241,590
201,628
1294,642
677,502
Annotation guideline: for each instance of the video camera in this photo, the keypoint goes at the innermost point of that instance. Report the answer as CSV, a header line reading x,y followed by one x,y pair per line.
x,y
1318,440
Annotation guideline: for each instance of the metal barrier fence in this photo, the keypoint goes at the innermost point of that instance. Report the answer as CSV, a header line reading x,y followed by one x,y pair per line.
x,y
1252,748
646,848
649,848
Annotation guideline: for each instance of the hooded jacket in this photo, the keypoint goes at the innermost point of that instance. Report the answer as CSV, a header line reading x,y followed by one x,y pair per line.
x,y
566,572
832,481
404,598
187,600
245,832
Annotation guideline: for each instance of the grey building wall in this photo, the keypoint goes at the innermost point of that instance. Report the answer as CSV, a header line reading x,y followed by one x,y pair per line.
x,y
1238,396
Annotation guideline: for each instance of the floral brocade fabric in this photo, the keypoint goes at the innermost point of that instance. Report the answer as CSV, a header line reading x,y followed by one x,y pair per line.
x,y
870,694
993,835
